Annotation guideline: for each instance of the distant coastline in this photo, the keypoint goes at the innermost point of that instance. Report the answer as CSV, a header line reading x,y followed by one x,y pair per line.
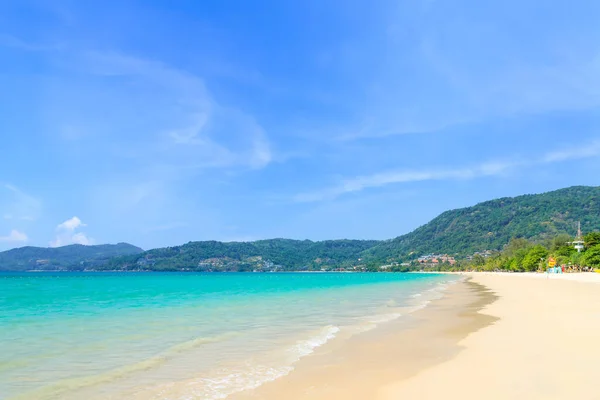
x,y
523,233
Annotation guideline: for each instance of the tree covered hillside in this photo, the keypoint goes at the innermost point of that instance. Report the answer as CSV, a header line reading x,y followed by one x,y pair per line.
x,y
72,257
492,224
261,255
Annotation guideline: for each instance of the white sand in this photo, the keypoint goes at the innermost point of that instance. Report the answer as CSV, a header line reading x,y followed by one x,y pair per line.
x,y
546,344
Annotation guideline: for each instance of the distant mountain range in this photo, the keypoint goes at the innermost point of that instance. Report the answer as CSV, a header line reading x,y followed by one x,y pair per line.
x,y
261,255
485,226
72,257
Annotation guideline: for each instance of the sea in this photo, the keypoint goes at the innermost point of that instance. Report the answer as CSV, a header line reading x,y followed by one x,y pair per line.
x,y
111,335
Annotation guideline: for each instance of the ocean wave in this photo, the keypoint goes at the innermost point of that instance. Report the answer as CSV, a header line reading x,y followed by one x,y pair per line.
x,y
427,296
232,381
373,321
228,381
306,347
70,385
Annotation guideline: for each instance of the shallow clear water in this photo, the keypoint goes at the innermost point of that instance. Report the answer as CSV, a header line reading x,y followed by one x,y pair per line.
x,y
108,333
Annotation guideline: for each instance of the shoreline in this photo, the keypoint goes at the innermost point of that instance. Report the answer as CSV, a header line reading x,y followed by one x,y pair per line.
x,y
523,335
542,346
235,363
435,326
358,367
489,335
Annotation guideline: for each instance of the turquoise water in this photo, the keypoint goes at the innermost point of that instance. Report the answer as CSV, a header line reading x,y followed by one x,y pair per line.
x,y
111,335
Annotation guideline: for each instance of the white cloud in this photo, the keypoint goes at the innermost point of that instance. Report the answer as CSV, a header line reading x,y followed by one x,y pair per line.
x,y
14,236
66,233
574,153
70,224
466,69
81,238
201,132
389,177
494,168
260,154
189,135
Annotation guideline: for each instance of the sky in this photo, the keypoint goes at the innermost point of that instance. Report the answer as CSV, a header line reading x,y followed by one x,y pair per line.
x,y
162,122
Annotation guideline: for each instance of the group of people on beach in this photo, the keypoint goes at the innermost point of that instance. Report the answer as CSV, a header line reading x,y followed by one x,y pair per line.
x,y
576,268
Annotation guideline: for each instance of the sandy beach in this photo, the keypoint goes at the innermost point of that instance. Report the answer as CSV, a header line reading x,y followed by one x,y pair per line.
x,y
544,344
357,368
495,336
490,336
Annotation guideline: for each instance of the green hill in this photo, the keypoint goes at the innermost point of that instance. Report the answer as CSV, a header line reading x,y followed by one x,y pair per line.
x,y
262,255
485,226
491,225
72,257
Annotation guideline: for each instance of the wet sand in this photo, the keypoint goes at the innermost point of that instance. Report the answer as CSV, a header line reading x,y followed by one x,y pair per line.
x,y
491,336
359,367
545,345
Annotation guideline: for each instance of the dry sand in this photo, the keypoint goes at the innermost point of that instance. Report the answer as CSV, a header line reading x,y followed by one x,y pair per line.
x,y
358,367
545,345
538,339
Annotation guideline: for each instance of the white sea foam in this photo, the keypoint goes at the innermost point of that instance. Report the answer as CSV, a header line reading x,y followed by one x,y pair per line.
x,y
306,347
371,322
228,381
233,381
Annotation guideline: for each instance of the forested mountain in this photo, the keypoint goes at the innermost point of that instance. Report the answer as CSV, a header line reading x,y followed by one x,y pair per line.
x,y
72,257
262,255
491,225
486,226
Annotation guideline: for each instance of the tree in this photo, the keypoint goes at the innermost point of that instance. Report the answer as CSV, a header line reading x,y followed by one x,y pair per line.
x,y
560,260
576,258
560,241
515,246
478,260
517,257
592,239
565,251
533,258
591,257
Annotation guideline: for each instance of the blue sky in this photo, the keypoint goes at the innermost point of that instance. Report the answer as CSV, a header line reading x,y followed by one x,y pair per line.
x,y
160,122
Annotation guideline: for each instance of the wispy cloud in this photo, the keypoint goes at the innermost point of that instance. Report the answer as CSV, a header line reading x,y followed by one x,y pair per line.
x,y
584,151
66,233
190,134
19,205
390,177
203,133
446,74
402,127
487,169
14,236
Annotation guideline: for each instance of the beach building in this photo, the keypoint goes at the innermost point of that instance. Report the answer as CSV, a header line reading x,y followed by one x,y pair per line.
x,y
578,243
436,259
